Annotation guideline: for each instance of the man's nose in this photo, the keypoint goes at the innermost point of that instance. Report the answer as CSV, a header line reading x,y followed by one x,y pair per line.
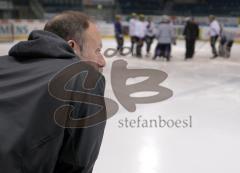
x,y
101,61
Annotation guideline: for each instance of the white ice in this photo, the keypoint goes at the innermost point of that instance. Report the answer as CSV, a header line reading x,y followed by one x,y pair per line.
x,y
208,90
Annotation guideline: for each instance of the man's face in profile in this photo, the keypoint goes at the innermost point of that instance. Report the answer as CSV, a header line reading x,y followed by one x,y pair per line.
x,y
92,45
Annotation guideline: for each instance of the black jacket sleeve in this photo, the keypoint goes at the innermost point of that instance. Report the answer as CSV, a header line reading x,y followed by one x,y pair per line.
x,y
81,146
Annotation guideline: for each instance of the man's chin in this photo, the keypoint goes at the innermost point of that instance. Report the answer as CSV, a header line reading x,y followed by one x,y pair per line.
x,y
95,66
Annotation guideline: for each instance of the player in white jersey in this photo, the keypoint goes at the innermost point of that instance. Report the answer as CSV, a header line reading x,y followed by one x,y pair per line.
x,y
166,36
150,35
214,31
140,34
132,31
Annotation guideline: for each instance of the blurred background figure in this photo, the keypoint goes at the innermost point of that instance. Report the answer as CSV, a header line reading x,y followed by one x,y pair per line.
x,y
119,33
165,35
150,35
226,42
214,30
132,31
140,33
191,34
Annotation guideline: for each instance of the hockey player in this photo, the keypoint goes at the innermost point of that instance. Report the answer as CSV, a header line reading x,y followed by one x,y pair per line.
x,y
132,31
191,33
226,42
166,36
150,35
140,33
119,33
214,34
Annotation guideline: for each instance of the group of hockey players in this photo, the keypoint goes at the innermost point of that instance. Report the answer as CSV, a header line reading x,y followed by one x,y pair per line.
x,y
143,30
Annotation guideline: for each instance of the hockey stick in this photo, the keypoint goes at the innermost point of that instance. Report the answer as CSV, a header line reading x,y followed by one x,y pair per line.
x,y
202,45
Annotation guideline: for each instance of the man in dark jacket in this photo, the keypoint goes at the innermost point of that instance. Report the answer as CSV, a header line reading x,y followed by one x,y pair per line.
x,y
39,112
191,33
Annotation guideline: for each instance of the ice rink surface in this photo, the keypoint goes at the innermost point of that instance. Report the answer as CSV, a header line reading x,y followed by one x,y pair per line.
x,y
208,90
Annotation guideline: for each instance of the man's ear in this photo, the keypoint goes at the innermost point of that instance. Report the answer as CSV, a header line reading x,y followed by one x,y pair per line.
x,y
74,46
72,43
